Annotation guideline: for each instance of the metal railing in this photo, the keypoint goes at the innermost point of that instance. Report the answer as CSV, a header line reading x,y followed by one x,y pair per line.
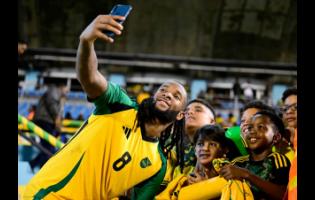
x,y
166,61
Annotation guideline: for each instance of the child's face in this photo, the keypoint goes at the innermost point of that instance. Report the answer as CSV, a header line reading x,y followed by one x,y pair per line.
x,y
246,119
259,135
207,150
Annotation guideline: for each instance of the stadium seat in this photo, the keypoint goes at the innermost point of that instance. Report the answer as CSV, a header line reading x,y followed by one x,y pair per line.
x,y
24,172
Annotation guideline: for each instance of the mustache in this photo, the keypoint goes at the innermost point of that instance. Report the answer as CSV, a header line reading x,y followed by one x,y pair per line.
x,y
149,113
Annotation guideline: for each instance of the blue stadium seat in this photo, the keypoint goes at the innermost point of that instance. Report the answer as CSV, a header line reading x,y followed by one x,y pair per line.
x,y
75,113
71,95
87,112
76,95
82,95
67,108
24,172
23,108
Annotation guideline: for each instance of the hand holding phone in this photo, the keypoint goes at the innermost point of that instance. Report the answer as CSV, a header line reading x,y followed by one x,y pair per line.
x,y
121,10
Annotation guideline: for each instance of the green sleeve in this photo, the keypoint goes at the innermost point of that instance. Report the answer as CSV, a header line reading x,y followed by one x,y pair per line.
x,y
148,189
114,99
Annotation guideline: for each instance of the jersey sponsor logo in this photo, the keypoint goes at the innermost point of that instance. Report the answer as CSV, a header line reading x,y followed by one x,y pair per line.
x,y
145,162
127,131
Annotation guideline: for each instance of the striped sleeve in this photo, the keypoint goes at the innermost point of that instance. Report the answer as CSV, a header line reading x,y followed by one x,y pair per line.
x,y
281,168
280,160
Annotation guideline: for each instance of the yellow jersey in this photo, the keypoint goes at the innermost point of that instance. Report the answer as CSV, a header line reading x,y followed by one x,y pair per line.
x,y
105,158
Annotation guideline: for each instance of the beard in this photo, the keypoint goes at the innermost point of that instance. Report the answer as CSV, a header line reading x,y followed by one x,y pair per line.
x,y
149,113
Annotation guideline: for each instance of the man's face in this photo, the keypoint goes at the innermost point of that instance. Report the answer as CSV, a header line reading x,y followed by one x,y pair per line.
x,y
246,118
289,111
170,96
197,115
259,134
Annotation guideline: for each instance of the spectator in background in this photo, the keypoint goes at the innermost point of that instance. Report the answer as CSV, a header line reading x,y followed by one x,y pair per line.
x,y
209,96
48,116
68,115
289,110
248,92
80,117
237,90
220,120
231,120
22,46
31,112
143,94
201,94
289,116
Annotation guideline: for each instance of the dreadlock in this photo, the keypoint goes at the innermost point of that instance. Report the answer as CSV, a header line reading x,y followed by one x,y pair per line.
x,y
180,152
172,136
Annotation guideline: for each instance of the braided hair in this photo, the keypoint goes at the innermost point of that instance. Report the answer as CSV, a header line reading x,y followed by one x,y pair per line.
x,y
180,151
172,135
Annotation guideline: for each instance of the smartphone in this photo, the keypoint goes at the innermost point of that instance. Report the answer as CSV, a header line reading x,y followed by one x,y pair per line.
x,y
121,10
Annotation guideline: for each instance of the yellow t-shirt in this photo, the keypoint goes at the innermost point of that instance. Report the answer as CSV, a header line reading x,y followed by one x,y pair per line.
x,y
106,157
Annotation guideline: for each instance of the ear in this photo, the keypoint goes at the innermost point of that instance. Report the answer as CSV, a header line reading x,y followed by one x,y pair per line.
x,y
276,138
180,115
212,122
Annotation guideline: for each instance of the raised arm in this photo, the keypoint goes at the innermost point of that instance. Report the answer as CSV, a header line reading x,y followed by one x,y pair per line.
x,y
92,81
